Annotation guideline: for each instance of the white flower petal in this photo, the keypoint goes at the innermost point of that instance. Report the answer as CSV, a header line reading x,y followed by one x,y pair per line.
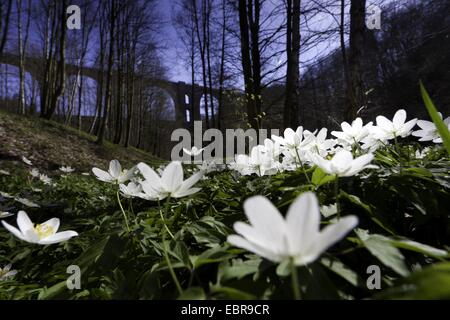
x,y
13,230
399,118
265,217
184,193
102,175
303,220
52,223
333,233
172,177
191,181
115,169
24,222
58,237
383,123
247,245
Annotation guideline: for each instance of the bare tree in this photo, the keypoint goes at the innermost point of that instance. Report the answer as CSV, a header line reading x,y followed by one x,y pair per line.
x,y
113,10
4,24
355,97
292,100
249,26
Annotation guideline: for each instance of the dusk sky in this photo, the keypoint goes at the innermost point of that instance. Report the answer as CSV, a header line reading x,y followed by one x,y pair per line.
x,y
173,50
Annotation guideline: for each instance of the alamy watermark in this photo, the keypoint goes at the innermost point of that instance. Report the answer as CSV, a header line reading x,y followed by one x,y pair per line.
x,y
74,17
374,280
74,280
235,141
373,17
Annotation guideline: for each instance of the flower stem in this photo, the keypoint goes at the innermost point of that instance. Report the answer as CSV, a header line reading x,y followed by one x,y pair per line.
x,y
303,167
169,265
123,211
294,278
166,209
336,193
397,147
166,254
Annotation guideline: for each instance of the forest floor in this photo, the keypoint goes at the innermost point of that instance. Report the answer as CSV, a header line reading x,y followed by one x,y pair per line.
x,y
50,145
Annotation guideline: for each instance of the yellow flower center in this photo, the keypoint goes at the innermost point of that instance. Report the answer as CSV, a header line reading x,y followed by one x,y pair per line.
x,y
43,230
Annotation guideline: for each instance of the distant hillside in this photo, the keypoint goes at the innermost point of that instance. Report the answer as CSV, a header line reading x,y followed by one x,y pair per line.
x,y
50,145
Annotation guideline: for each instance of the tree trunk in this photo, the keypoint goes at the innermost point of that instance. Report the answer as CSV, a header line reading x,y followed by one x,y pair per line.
x,y
246,65
6,27
208,58
292,101
201,42
21,106
222,65
60,80
107,104
355,99
253,16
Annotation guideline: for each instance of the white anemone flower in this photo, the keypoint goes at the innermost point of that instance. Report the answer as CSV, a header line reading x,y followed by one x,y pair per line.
x,y
293,139
170,184
44,233
387,129
296,237
241,164
131,190
212,166
262,160
319,143
45,179
428,130
343,165
35,173
27,161
66,169
5,214
6,273
352,133
194,151
6,195
422,154
115,174
26,202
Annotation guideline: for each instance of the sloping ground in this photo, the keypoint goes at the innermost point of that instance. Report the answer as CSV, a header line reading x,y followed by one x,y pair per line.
x,y
50,145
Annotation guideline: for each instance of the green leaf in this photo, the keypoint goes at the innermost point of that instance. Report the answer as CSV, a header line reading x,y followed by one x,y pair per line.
x,y
181,252
238,269
193,293
431,283
357,201
328,211
419,247
283,269
53,291
381,247
341,269
232,293
440,125
213,255
319,177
